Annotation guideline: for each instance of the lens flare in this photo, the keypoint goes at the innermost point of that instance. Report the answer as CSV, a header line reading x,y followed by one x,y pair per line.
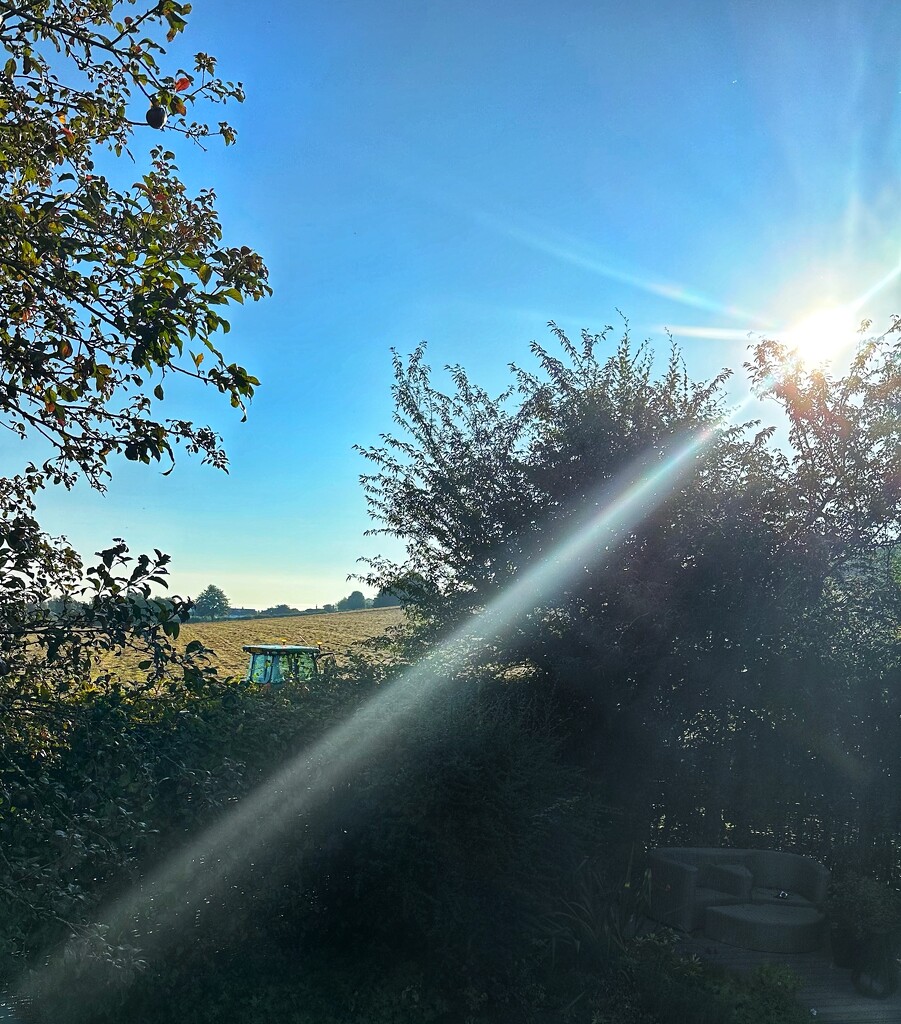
x,y
568,250
171,897
818,337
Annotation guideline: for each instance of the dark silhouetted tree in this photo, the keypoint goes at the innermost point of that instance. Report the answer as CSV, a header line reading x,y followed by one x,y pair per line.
x,y
355,601
738,632
211,603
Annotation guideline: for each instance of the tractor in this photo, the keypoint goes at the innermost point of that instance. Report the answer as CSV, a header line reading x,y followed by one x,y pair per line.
x,y
273,665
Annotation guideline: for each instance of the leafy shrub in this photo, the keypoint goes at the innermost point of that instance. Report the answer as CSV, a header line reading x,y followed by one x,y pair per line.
x,y
864,906
447,840
664,988
440,850
600,912
119,785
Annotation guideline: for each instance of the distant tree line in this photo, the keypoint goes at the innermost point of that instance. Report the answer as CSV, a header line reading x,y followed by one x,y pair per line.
x,y
212,604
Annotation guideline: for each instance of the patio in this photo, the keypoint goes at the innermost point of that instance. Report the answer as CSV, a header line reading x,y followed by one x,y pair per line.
x,y
825,988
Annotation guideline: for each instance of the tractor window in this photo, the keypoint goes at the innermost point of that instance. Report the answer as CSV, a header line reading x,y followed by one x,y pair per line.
x,y
305,666
294,667
282,668
259,667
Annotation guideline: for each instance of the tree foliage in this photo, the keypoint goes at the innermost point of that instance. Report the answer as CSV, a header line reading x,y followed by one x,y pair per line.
x,y
479,486
211,603
453,486
746,623
354,602
278,610
108,291
105,293
845,441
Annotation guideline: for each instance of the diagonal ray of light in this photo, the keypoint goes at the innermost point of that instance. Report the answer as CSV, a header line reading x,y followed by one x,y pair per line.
x,y
177,891
883,282
568,252
565,249
711,333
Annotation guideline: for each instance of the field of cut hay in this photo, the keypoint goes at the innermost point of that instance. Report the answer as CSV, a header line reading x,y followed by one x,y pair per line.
x,y
339,632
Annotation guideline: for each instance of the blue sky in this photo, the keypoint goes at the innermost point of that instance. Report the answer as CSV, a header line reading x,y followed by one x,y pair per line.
x,y
463,172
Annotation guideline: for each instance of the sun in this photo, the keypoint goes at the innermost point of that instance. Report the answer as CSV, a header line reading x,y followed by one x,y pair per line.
x,y
822,333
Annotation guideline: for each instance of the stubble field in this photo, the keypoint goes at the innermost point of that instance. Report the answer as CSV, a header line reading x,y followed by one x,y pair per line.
x,y
339,632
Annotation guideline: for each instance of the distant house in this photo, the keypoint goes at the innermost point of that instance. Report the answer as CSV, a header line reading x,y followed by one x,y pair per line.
x,y
242,613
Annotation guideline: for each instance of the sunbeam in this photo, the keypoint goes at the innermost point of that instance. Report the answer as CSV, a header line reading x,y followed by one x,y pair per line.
x,y
708,333
576,252
883,282
568,251
201,870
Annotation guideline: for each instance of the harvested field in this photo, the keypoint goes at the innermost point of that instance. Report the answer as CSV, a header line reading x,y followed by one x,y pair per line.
x,y
339,632
336,631
333,631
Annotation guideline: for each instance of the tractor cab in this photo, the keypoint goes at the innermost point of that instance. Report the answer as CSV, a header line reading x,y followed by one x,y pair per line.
x,y
274,665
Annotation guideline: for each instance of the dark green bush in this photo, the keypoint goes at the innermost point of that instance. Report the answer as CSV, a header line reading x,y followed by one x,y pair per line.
x,y
420,892
439,851
661,987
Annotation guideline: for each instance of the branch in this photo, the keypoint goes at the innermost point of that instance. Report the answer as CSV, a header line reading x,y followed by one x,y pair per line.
x,y
101,42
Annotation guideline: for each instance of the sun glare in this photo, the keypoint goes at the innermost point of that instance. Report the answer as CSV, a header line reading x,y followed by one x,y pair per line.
x,y
823,333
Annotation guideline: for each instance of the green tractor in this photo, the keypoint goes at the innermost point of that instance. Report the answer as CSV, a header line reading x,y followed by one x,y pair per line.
x,y
273,665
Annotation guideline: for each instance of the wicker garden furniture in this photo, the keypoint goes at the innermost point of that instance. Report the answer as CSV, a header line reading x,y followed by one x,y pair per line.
x,y
757,899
